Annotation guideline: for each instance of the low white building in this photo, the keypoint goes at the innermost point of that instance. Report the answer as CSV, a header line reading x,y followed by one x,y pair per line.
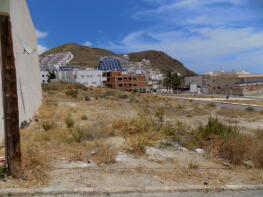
x,y
87,76
90,77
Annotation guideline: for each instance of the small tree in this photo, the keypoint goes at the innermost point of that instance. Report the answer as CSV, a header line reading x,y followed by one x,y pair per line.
x,y
176,81
172,80
51,75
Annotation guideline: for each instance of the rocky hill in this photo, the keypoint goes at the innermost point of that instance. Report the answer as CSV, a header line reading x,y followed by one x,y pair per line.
x,y
86,56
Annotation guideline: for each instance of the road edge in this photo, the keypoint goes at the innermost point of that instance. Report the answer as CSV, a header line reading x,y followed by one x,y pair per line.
x,y
126,190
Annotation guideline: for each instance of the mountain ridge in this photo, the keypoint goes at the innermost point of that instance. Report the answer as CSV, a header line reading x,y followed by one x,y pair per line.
x,y
87,56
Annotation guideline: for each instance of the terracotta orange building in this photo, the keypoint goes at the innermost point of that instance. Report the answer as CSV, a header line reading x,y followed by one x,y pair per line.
x,y
126,81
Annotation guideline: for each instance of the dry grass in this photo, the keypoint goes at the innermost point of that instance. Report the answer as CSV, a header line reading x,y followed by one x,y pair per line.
x,y
82,128
240,149
35,165
220,140
236,113
144,130
252,102
97,151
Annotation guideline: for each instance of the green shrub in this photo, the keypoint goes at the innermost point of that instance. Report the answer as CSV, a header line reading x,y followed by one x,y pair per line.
x,y
69,122
215,127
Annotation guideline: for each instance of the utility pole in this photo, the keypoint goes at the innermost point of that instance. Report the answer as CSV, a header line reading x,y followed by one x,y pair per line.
x,y
10,100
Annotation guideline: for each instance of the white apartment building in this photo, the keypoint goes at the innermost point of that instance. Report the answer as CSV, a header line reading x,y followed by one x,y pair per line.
x,y
55,60
90,77
87,76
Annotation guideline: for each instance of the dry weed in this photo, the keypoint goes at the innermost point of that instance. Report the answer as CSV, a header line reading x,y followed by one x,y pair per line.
x,y
35,165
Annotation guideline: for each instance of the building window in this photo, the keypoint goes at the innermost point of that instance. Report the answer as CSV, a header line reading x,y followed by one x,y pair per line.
x,y
91,75
87,76
82,76
134,78
130,78
43,81
120,85
119,78
43,75
94,83
99,75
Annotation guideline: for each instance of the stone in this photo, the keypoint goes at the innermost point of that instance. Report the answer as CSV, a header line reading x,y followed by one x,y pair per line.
x,y
199,150
249,164
182,149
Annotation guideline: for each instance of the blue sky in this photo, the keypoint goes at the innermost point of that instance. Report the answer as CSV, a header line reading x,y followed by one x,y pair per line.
x,y
205,35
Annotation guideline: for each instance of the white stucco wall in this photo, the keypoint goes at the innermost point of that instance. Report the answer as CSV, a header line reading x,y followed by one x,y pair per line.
x,y
27,64
89,77
44,76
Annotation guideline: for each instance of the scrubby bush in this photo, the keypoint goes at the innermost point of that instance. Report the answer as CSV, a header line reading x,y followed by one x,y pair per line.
x,y
159,114
69,122
211,105
77,134
193,165
184,135
103,153
84,117
123,96
215,127
73,93
109,93
48,125
35,165
250,109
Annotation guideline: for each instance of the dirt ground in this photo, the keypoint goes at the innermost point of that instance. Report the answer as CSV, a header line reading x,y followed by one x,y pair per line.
x,y
174,165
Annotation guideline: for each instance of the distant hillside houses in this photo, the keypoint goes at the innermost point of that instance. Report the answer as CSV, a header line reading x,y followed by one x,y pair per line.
x,y
113,72
55,60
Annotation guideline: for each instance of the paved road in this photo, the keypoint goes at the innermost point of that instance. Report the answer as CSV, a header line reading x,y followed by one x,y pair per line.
x,y
220,104
197,194
258,193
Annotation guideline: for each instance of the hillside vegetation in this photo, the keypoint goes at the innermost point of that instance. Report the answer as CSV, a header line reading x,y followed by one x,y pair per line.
x,y
86,56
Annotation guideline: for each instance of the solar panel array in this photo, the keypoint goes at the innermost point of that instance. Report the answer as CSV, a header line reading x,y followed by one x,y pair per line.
x,y
110,64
